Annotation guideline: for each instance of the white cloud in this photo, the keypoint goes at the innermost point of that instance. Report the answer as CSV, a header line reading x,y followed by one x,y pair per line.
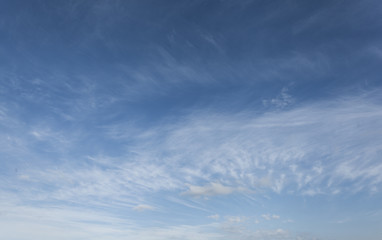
x,y
266,216
270,216
312,192
236,219
215,216
187,203
210,189
282,100
341,221
64,223
241,232
257,151
143,207
61,226
324,148
288,221
59,222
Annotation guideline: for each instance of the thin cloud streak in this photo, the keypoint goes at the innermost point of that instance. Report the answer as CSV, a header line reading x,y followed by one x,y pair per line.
x,y
318,149
273,150
210,189
208,120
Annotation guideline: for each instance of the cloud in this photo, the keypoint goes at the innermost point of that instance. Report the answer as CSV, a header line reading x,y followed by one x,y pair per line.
x,y
143,207
289,149
187,232
215,216
210,189
65,222
326,147
59,222
236,219
270,217
281,101
341,221
312,192
110,139
323,148
266,216
241,232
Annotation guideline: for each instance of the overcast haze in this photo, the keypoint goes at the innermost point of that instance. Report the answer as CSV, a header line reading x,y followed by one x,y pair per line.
x,y
192,120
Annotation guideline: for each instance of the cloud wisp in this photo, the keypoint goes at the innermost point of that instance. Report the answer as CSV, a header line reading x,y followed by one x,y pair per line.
x,y
208,120
211,189
324,148
143,207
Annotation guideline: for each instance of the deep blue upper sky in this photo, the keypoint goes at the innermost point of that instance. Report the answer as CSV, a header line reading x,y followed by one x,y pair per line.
x,y
191,119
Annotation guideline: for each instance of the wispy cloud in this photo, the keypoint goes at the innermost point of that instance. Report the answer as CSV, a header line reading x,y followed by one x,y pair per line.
x,y
215,216
167,127
143,207
236,219
59,222
311,149
317,149
270,216
328,147
210,189
281,101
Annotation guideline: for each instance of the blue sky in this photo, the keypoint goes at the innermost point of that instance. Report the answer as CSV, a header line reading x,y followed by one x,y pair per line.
x,y
208,120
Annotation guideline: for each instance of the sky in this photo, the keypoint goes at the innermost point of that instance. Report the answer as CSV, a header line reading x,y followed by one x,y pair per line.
x,y
200,119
